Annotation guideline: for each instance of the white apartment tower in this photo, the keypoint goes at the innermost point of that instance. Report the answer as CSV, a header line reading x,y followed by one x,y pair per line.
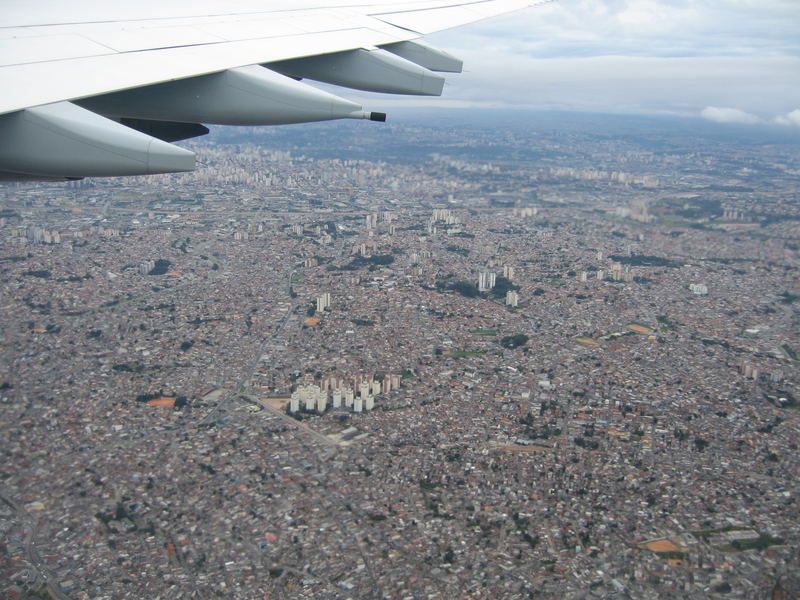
x,y
486,280
323,302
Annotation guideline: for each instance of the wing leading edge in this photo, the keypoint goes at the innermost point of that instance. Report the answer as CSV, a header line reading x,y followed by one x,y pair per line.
x,y
95,93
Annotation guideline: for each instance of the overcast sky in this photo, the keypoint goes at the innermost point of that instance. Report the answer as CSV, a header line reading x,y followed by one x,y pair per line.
x,y
724,60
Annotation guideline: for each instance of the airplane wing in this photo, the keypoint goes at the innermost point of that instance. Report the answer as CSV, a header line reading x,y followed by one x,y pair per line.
x,y
101,89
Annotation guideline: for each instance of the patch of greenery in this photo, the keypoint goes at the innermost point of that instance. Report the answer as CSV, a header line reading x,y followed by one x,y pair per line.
x,y
378,259
787,298
457,249
674,554
668,325
503,285
760,543
362,322
645,260
704,534
162,306
125,367
514,341
161,266
465,288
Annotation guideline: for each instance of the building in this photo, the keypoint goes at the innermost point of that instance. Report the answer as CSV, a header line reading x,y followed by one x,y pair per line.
x,y
512,298
486,280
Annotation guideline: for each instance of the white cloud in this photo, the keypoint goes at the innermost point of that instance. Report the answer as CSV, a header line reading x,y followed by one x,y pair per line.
x,y
792,118
728,115
673,56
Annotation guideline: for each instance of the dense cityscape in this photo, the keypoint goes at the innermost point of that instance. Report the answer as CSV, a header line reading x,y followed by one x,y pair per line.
x,y
490,356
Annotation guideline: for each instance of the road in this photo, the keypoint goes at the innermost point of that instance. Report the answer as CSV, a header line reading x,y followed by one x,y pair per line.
x,y
215,413
29,527
294,422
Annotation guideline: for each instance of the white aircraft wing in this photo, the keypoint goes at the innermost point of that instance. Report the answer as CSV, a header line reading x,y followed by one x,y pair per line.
x,y
96,89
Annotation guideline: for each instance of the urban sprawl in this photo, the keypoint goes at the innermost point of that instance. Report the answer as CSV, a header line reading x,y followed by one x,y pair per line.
x,y
568,371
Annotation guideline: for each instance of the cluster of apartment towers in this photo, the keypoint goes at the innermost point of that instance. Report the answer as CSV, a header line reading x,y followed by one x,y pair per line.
x,y
359,398
488,279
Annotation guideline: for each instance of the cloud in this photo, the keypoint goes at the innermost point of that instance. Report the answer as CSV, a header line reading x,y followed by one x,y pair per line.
x,y
665,28
657,56
792,118
728,115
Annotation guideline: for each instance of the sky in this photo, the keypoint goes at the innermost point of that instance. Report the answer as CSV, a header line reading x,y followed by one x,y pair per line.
x,y
730,61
